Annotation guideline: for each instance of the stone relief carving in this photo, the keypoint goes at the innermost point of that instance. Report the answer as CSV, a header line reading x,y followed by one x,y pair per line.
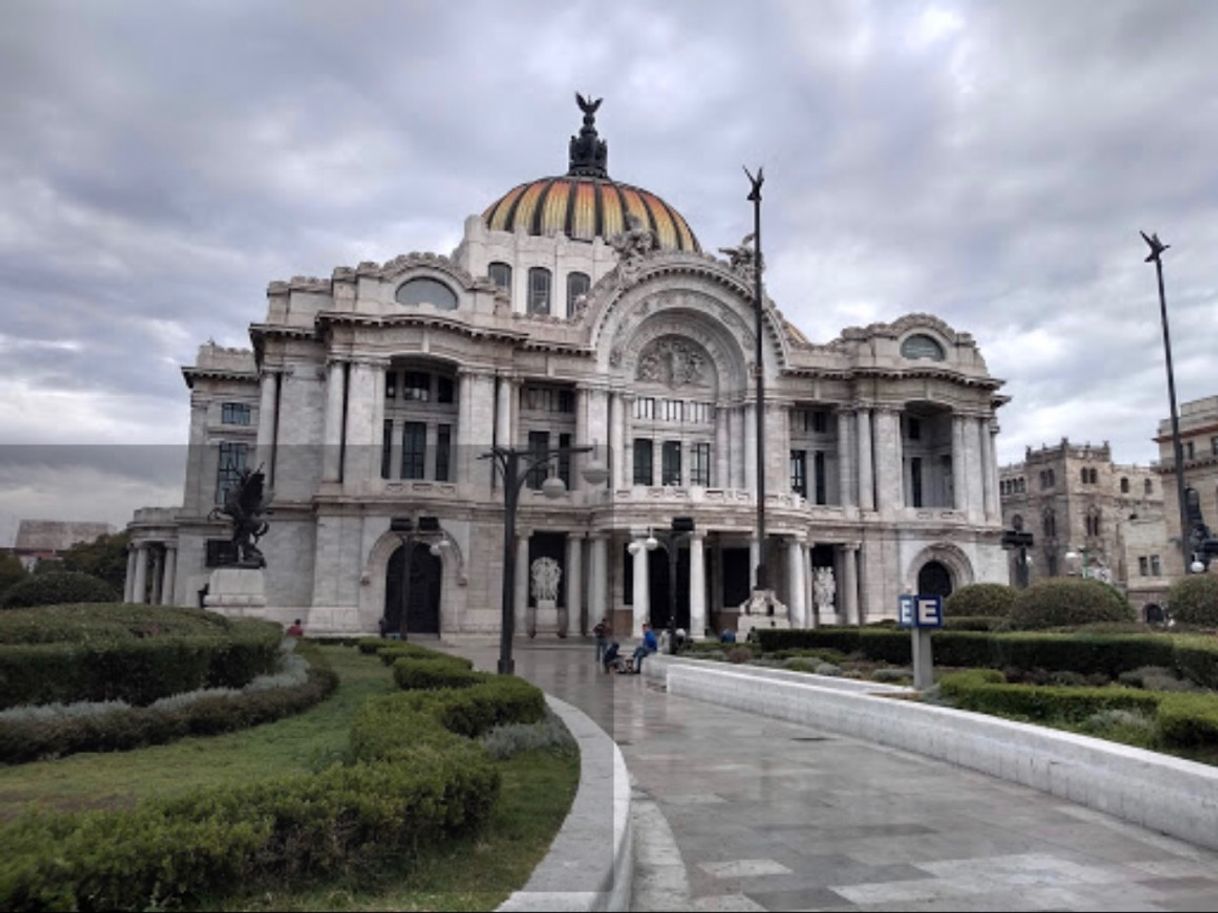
x,y
741,258
546,575
824,589
672,362
633,246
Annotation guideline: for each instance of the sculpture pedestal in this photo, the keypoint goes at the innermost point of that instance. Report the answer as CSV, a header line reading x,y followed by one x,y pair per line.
x,y
545,621
762,610
236,591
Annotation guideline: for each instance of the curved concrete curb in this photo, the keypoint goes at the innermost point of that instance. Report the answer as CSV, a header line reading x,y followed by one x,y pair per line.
x,y
590,865
1161,792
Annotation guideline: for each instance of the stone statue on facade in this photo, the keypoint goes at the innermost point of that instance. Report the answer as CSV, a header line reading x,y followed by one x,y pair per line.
x,y
546,576
824,590
246,506
741,257
671,362
633,246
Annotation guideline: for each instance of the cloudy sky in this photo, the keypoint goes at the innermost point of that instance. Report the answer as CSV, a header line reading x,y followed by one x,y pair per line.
x,y
990,163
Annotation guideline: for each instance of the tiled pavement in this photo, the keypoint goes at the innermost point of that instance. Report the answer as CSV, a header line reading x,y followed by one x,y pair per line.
x,y
768,815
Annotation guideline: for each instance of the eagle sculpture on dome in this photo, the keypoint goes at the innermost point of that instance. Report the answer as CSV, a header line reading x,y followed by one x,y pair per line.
x,y
588,107
589,154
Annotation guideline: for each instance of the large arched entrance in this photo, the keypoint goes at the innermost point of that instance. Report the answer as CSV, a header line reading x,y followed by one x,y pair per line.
x,y
660,591
422,614
934,579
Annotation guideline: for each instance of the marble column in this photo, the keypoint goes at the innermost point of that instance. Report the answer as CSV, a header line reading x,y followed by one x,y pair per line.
x,y
158,566
625,419
598,429
171,573
139,595
864,467
959,483
992,428
973,470
578,460
697,586
129,582
598,578
750,450
336,392
361,441
989,489
266,422
481,432
722,449
810,587
887,451
577,618
505,432
642,591
466,456
522,581
754,560
735,427
849,590
618,458
845,472
796,585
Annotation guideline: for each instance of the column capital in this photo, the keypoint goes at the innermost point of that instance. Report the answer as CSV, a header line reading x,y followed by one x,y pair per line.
x,y
844,409
466,371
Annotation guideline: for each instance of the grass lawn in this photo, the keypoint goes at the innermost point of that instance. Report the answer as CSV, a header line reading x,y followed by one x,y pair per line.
x,y
472,874
106,780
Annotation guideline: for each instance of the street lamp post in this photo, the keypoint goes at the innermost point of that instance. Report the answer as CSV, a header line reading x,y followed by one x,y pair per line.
x,y
508,460
1156,256
759,373
1014,538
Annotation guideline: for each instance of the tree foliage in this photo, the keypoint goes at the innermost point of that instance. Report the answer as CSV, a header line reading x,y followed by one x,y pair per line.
x,y
105,558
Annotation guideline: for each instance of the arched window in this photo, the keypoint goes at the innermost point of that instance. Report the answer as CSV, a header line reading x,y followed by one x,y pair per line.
x,y
539,290
577,284
426,291
1149,486
1124,485
1049,523
934,579
501,275
922,346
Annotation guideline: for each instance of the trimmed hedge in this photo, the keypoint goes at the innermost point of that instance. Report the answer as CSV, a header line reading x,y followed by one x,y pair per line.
x,y
1189,720
122,729
413,781
391,654
990,600
57,588
1063,601
430,674
1193,600
1196,658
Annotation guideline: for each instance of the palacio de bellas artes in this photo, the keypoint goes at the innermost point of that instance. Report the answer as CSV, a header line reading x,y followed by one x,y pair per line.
x,y
579,311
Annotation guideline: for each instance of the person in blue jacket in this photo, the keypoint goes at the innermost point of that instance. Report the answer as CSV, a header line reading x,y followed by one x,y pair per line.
x,y
646,648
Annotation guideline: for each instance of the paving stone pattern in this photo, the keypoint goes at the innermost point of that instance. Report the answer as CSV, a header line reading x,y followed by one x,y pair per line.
x,y
769,815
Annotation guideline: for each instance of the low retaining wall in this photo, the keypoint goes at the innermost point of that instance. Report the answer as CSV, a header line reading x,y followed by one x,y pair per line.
x,y
590,865
1164,793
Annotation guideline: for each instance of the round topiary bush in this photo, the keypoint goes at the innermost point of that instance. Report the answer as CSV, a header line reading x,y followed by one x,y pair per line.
x,y
1193,600
58,588
1066,601
990,600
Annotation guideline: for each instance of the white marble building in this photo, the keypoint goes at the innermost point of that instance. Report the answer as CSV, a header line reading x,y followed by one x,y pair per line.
x,y
559,319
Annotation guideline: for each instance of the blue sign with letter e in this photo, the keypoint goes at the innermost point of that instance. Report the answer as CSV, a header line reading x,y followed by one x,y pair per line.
x,y
930,612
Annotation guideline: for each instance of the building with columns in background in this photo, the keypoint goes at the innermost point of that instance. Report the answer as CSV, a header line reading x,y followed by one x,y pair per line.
x,y
578,310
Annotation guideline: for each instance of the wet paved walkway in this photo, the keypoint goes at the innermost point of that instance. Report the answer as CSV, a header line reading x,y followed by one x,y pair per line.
x,y
770,815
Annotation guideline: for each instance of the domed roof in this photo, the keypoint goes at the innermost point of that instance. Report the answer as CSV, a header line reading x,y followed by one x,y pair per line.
x,y
585,203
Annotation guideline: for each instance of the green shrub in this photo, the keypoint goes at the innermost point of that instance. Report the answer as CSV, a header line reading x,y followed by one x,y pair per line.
x,y
130,653
1193,600
895,676
401,650
974,623
1189,719
470,711
12,571
430,674
370,646
989,600
1065,601
1126,726
511,739
1156,678
980,690
704,646
57,588
122,728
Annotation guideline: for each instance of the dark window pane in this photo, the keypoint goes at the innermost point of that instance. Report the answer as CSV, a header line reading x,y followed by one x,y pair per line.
x,y
228,472
799,472
414,450
700,471
642,461
539,290
416,385
235,413
427,291
672,463
444,389
391,384
564,460
577,284
386,448
539,443
915,481
443,448
819,465
501,275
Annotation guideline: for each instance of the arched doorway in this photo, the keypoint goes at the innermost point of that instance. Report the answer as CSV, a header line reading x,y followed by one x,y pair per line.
x,y
660,592
426,575
1155,614
934,579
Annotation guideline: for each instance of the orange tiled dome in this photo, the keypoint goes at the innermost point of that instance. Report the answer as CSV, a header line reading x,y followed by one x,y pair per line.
x,y
585,203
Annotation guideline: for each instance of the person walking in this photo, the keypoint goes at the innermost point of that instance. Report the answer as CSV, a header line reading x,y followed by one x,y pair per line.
x,y
603,632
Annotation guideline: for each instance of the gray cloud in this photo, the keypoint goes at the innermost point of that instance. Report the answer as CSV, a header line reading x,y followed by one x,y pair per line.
x,y
987,162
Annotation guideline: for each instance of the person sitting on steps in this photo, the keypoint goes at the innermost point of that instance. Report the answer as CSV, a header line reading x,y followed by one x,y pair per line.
x,y
646,648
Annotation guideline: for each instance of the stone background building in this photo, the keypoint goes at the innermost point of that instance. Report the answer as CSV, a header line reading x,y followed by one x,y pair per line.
x,y
45,540
1074,498
1199,437
578,310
